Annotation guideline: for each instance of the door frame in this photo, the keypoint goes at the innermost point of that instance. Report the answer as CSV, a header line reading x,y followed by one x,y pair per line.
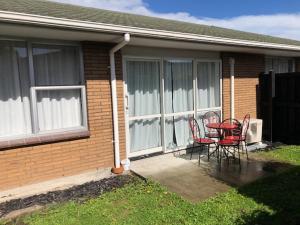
x,y
163,115
126,111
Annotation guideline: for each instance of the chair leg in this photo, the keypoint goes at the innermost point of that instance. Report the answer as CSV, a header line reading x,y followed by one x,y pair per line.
x,y
208,147
239,154
246,150
192,151
220,156
217,152
234,150
200,150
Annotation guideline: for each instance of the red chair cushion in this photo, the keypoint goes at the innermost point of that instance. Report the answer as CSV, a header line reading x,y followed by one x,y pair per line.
x,y
204,141
227,142
233,138
236,138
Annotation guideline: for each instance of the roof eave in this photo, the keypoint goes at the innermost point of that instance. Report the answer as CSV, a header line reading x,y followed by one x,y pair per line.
x,y
22,18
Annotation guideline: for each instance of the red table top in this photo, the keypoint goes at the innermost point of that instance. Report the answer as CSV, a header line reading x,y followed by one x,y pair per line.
x,y
225,126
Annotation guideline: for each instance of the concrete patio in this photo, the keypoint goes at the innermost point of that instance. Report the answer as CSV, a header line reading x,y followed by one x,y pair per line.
x,y
196,183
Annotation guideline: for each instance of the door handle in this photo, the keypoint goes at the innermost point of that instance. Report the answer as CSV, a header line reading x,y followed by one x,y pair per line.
x,y
126,102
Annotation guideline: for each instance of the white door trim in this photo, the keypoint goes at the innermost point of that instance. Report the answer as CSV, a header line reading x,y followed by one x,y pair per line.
x,y
125,59
164,115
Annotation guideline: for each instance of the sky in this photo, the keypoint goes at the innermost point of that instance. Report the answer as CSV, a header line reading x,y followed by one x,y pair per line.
x,y
273,17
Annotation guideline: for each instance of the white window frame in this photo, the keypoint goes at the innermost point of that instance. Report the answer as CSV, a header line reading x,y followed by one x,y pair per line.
x,y
164,115
33,95
35,131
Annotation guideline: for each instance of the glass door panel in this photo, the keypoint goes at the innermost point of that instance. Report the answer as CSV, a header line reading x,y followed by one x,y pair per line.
x,y
143,89
144,134
199,117
208,85
208,89
178,98
177,131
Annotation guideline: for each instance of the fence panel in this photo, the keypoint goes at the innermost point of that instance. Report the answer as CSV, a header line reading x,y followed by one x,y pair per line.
x,y
281,112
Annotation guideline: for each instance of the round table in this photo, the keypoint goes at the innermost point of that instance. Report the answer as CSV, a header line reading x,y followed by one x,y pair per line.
x,y
223,126
226,127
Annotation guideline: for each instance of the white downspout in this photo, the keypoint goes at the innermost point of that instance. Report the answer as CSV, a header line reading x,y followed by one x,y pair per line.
x,y
231,63
124,42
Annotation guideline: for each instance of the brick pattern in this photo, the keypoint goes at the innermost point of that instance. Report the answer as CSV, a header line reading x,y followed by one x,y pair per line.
x,y
247,69
32,164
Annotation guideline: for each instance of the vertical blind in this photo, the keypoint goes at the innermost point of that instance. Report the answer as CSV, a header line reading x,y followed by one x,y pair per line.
x,y
53,66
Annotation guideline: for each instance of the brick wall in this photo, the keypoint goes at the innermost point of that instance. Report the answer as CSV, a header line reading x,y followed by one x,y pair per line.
x,y
247,69
21,166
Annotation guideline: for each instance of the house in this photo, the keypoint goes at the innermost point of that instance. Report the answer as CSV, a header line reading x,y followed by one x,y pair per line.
x,y
82,88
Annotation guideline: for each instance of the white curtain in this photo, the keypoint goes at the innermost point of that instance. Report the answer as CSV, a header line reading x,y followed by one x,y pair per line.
x,y
208,83
143,81
56,65
279,64
14,90
283,65
178,98
59,109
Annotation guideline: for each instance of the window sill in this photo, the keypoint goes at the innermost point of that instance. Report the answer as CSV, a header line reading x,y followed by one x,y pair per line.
x,y
44,139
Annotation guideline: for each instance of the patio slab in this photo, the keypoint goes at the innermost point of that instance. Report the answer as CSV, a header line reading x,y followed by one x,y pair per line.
x,y
196,183
180,176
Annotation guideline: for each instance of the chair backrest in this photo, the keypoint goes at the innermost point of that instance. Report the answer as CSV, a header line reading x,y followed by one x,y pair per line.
x,y
194,128
245,127
210,117
233,132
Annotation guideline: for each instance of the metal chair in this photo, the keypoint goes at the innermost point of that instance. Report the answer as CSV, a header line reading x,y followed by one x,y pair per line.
x,y
241,138
211,117
230,139
197,140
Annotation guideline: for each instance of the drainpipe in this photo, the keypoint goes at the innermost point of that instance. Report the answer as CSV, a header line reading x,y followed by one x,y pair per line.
x,y
117,169
231,63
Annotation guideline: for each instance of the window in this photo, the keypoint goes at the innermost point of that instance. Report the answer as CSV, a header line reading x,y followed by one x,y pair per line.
x,y
14,89
279,64
41,89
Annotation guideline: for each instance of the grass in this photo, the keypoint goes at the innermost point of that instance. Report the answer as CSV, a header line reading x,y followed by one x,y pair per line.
x,y
273,200
289,154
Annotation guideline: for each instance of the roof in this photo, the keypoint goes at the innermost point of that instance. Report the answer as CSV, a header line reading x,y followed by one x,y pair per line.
x,y
67,11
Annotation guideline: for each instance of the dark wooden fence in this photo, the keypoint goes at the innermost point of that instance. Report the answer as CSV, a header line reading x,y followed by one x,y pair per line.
x,y
280,107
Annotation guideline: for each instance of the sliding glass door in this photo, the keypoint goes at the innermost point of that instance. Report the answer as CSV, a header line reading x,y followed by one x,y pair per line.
x,y
161,95
178,99
143,95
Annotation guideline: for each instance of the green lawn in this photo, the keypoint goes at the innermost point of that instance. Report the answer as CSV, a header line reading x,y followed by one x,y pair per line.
x,y
274,200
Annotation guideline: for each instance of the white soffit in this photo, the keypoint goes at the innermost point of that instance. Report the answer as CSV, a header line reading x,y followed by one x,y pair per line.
x,y
38,32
